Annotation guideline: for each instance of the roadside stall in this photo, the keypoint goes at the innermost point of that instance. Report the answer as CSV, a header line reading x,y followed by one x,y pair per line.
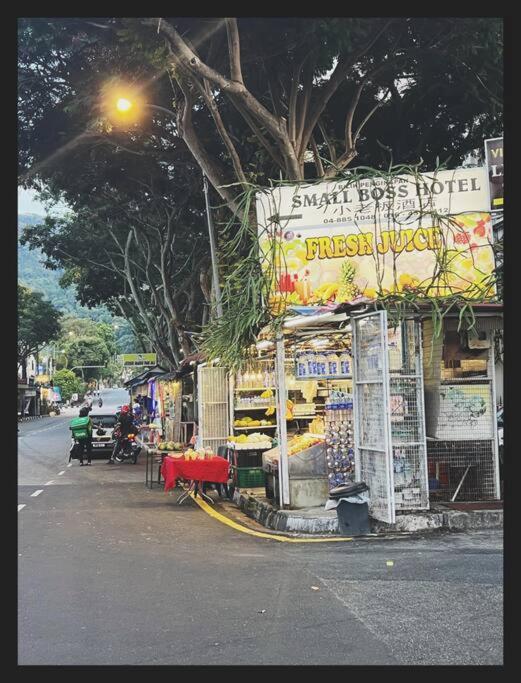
x,y
361,381
358,242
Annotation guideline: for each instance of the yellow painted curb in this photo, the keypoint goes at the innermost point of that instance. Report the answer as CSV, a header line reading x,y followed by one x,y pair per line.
x,y
238,527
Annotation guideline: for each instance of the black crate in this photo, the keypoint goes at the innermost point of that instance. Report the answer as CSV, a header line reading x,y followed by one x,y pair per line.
x,y
248,458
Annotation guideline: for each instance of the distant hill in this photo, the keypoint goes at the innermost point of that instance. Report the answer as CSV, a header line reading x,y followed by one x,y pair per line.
x,y
32,272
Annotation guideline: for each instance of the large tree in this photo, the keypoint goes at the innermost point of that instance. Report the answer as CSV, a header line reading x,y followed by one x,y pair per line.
x,y
38,324
244,100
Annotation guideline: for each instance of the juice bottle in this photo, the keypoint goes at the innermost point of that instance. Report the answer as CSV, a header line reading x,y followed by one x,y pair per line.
x,y
321,363
345,364
302,366
332,363
312,364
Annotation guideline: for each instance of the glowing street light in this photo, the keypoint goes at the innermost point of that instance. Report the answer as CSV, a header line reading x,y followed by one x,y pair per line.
x,y
123,104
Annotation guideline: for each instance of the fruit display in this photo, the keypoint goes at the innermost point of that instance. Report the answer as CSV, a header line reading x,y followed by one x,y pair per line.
x,y
255,437
170,446
301,442
250,422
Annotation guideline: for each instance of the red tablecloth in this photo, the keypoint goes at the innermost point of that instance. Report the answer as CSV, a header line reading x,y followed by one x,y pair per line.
x,y
214,470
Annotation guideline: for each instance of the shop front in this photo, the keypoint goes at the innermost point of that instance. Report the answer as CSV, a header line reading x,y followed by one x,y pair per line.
x,y
346,392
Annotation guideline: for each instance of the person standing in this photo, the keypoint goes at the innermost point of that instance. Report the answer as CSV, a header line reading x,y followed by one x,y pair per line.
x,y
81,428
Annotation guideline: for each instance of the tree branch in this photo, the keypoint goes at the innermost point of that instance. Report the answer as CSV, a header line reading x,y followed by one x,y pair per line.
x,y
234,50
338,75
316,157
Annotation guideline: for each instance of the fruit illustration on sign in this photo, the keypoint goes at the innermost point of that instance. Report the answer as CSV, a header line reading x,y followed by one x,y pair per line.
x,y
347,290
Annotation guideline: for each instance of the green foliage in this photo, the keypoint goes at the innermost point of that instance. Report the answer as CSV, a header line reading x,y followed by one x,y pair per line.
x,y
86,342
69,383
38,323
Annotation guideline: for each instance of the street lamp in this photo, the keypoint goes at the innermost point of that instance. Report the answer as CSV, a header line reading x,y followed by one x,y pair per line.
x,y
123,103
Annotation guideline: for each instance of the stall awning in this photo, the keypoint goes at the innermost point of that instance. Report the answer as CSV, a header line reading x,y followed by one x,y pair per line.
x,y
144,376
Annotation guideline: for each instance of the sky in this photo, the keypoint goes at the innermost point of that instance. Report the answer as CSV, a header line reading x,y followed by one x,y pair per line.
x,y
27,203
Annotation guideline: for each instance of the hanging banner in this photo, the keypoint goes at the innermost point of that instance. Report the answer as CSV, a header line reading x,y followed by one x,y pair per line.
x,y
334,242
494,160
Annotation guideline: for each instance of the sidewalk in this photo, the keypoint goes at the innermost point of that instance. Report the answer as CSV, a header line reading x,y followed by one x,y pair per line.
x,y
319,521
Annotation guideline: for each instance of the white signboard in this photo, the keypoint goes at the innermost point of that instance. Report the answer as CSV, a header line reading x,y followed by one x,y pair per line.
x,y
304,206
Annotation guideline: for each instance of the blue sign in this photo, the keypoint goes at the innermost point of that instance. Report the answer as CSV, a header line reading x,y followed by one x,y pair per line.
x,y
57,394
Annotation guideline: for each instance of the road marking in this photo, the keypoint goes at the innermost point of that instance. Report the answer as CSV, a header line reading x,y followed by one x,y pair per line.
x,y
69,465
37,493
21,507
245,530
60,473
49,482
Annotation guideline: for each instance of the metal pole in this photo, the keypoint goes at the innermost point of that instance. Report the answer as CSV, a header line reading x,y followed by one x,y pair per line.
x,y
215,270
281,422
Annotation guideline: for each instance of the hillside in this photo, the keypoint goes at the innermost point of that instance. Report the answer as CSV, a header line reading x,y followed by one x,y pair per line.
x,y
31,272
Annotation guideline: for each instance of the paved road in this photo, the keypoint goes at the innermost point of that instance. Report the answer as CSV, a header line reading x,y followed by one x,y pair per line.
x,y
112,573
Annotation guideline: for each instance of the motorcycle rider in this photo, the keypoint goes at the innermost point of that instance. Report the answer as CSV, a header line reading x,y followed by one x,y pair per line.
x,y
123,427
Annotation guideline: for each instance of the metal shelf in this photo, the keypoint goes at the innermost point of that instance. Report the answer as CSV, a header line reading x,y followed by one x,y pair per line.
x,y
253,388
259,427
256,408
323,378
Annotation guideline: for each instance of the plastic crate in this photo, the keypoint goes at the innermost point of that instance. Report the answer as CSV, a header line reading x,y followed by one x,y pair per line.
x,y
248,477
248,459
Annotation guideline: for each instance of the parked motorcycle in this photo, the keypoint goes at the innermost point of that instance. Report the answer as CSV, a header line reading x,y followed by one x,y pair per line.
x,y
129,449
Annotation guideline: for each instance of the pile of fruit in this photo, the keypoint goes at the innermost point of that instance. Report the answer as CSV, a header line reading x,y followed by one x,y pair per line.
x,y
255,437
301,442
170,446
250,422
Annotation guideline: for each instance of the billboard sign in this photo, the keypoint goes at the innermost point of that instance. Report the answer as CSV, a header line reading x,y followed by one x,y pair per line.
x,y
138,359
494,159
334,242
56,394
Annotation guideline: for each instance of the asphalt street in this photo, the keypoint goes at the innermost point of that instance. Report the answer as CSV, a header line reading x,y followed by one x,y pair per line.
x,y
113,573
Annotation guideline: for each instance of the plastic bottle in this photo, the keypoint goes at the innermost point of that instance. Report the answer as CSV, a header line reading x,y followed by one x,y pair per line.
x,y
312,364
345,364
321,360
333,364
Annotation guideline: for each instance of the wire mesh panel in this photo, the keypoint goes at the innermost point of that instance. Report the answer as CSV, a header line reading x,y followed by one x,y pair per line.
x,y
371,409
461,419
213,407
411,489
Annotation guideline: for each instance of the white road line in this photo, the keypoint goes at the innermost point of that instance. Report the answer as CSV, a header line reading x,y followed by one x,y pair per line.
x,y
60,473
21,507
37,493
69,465
49,482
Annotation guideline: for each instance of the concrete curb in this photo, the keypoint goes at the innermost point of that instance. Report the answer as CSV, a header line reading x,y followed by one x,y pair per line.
x,y
320,521
28,418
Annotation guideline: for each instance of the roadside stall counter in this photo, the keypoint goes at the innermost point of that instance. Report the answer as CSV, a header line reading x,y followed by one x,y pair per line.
x,y
308,476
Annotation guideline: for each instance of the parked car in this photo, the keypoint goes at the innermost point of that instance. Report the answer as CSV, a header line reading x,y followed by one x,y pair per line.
x,y
102,439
